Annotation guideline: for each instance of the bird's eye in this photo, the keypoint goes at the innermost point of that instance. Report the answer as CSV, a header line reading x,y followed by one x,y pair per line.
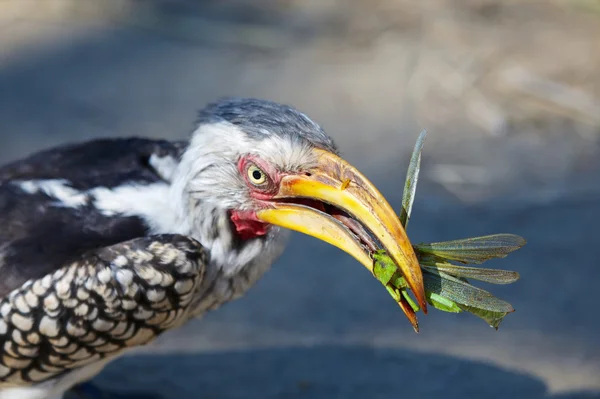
x,y
256,176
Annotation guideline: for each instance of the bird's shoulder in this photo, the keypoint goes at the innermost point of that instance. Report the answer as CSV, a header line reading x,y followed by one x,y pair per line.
x,y
49,209
97,306
100,162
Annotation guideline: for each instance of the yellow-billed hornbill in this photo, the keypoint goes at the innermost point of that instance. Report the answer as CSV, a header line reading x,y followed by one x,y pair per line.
x,y
105,245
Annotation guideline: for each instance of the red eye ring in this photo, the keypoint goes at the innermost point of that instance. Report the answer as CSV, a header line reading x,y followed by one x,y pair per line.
x,y
259,175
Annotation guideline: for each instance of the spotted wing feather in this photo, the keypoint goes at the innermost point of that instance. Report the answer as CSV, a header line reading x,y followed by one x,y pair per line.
x,y
111,299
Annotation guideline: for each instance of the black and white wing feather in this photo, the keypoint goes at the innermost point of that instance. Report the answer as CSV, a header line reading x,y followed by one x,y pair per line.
x,y
40,233
77,284
108,300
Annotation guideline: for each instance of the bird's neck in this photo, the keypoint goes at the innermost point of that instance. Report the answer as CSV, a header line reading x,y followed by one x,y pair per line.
x,y
234,244
235,264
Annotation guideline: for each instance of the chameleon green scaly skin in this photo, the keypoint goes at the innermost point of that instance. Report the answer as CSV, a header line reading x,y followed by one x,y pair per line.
x,y
446,285
443,291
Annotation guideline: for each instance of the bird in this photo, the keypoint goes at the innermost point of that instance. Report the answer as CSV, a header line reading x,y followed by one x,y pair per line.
x,y
106,244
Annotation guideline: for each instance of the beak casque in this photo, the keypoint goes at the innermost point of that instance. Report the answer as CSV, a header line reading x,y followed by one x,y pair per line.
x,y
336,182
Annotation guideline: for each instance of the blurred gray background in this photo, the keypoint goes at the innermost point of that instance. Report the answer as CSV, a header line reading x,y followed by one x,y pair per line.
x,y
510,94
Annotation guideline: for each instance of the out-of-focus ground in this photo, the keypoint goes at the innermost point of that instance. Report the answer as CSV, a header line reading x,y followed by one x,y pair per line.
x,y
510,94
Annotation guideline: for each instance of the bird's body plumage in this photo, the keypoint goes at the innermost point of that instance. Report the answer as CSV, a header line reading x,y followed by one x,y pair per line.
x,y
76,208
107,244
56,224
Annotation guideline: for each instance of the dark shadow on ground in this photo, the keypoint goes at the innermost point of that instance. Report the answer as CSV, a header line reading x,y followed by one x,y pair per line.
x,y
322,372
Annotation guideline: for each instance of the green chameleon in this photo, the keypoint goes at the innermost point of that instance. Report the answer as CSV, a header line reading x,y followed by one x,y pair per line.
x,y
445,277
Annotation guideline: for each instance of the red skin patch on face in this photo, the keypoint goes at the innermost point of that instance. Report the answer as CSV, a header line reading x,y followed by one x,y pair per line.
x,y
247,226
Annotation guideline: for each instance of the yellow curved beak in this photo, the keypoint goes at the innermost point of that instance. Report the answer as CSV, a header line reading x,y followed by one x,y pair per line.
x,y
337,183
